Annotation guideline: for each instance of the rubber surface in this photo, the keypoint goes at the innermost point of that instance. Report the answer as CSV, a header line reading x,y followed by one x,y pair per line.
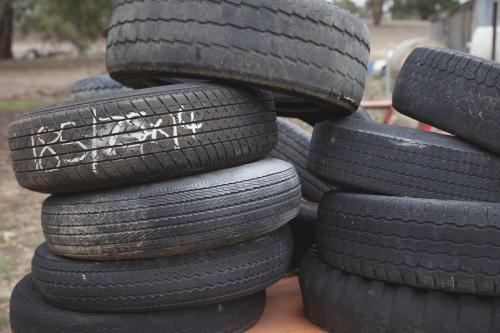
x,y
163,283
184,215
304,232
453,91
313,49
140,136
343,303
434,244
96,85
403,162
30,314
293,146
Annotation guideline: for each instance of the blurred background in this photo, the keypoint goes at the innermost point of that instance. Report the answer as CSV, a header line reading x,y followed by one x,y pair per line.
x,y
47,45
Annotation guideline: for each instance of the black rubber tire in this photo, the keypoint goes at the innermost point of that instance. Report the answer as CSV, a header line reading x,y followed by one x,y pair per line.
x,y
453,91
30,314
343,303
403,162
185,215
96,85
180,281
293,146
304,232
312,49
140,136
426,243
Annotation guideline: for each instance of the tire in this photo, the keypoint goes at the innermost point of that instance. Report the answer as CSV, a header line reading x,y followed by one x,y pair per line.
x,y
97,85
453,91
173,217
313,50
220,127
434,244
164,283
30,314
304,232
343,303
293,146
403,162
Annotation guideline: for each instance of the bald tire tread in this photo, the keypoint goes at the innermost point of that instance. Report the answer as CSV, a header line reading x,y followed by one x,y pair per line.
x,y
453,91
293,146
29,313
400,161
199,278
314,49
96,85
172,217
426,243
304,232
343,303
141,136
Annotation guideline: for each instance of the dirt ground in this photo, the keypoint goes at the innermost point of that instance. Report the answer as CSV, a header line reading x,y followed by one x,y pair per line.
x,y
26,84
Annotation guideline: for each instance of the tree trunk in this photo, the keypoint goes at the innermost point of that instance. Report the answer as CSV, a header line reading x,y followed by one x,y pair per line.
x,y
377,7
6,28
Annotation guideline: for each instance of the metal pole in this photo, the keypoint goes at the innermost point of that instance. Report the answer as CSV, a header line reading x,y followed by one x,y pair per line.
x,y
494,27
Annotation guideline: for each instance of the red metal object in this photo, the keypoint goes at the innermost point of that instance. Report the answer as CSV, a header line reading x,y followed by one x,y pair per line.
x,y
386,105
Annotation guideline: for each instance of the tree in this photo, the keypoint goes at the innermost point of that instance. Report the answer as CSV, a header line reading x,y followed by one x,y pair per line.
x,y
377,9
422,9
6,28
348,5
76,21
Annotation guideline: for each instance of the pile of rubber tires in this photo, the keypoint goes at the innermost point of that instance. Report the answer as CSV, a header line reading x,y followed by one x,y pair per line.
x,y
166,213
411,242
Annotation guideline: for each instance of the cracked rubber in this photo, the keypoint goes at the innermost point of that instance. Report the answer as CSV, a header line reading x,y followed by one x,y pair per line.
x,y
313,49
304,232
293,146
343,303
172,217
403,162
139,136
199,278
426,243
96,85
30,314
453,91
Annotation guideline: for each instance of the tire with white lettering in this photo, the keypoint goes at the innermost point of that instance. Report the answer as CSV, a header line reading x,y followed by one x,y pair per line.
x,y
141,135
29,313
310,49
97,85
143,285
173,217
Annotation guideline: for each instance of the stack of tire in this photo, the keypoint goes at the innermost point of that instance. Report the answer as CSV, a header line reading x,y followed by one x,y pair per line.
x,y
165,214
412,242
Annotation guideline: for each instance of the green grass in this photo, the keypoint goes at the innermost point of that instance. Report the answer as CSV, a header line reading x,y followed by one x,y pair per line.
x,y
21,104
4,320
6,267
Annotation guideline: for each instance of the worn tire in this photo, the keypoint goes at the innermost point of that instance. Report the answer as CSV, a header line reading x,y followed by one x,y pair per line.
x,y
97,85
453,91
173,217
30,314
304,232
199,278
312,49
403,162
426,243
140,136
293,146
343,303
